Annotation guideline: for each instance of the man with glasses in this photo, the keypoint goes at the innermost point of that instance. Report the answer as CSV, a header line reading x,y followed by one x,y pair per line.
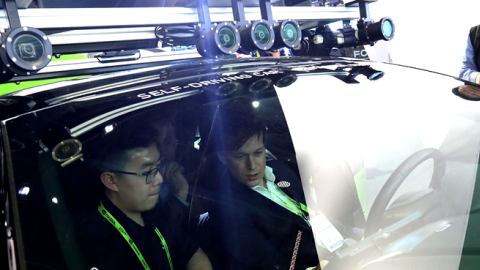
x,y
129,229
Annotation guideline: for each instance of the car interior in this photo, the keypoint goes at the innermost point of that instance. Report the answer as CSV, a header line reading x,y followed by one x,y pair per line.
x,y
59,192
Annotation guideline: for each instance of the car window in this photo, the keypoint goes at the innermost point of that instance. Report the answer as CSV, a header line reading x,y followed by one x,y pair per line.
x,y
408,149
57,184
361,165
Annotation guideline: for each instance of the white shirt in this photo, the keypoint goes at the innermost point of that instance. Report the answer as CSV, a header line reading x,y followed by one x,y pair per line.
x,y
280,197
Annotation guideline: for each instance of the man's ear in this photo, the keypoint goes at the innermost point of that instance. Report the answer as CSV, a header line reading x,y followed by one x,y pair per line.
x,y
109,180
222,157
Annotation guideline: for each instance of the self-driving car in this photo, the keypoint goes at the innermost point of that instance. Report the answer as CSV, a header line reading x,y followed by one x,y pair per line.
x,y
389,151
375,163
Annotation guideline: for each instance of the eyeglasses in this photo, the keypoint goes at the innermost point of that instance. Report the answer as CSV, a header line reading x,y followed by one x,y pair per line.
x,y
150,175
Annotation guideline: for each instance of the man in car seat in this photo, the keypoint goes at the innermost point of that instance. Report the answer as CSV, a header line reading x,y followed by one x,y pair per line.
x,y
259,225
167,145
130,229
178,179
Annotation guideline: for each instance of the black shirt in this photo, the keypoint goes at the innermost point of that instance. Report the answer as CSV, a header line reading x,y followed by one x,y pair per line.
x,y
105,248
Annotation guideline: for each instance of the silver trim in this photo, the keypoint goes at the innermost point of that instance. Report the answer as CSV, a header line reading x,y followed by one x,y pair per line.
x,y
53,86
329,73
63,98
92,63
97,96
101,119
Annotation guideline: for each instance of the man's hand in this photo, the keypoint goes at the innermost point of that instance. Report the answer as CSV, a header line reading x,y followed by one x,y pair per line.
x,y
174,175
274,54
199,261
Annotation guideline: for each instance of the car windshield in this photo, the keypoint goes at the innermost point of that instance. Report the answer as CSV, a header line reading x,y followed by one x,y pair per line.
x,y
352,165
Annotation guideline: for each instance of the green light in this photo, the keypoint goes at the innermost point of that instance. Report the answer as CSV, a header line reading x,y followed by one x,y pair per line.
x,y
262,35
227,37
290,32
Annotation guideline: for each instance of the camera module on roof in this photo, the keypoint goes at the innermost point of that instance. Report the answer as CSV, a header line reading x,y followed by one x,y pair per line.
x,y
25,50
287,34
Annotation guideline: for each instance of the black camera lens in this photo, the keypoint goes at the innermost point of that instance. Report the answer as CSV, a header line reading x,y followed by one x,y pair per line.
x,y
66,150
387,28
262,34
227,37
260,85
383,29
290,32
224,38
228,89
286,80
287,34
29,48
25,50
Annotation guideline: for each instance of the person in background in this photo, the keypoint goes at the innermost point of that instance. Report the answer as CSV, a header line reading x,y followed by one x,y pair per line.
x,y
274,53
471,59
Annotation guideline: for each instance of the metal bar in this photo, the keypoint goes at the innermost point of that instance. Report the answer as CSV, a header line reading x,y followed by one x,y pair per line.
x,y
20,253
92,63
238,11
102,35
39,3
364,10
12,13
266,10
105,46
203,13
70,19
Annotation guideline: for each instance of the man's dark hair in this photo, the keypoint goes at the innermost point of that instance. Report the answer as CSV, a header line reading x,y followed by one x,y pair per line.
x,y
233,128
110,151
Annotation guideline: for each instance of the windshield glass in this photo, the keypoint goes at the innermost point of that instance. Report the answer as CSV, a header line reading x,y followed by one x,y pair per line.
x,y
345,165
408,151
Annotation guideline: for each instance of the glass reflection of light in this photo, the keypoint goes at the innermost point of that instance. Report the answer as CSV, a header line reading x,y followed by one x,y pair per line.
x,y
24,191
196,144
255,104
108,129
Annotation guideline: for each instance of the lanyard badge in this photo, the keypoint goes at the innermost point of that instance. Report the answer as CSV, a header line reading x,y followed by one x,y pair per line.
x,y
323,230
104,212
326,233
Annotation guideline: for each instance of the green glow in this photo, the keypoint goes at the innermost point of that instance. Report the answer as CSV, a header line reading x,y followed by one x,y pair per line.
x,y
227,37
262,35
290,32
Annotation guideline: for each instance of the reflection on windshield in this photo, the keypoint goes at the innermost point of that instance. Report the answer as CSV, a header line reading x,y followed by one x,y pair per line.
x,y
398,160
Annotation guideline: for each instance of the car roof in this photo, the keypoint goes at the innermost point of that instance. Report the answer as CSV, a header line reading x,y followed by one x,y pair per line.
x,y
123,85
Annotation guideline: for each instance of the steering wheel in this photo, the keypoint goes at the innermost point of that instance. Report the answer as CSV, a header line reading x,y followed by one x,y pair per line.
x,y
375,217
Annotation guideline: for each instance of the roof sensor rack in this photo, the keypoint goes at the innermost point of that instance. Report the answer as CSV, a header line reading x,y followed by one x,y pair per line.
x,y
321,41
31,36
